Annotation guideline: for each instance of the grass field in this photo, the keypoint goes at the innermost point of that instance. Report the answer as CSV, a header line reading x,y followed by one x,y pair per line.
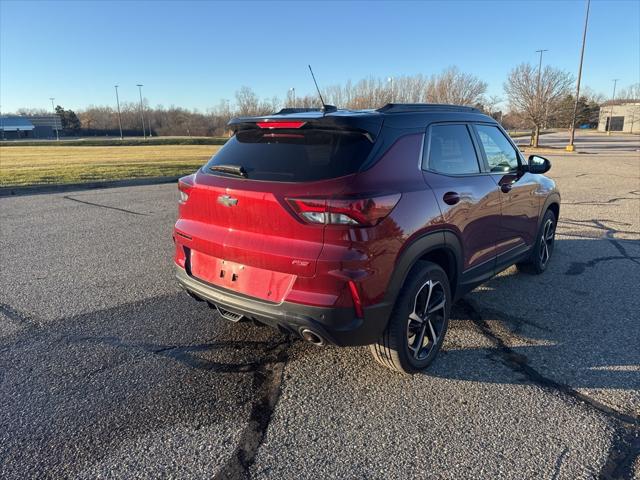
x,y
116,142
20,165
108,159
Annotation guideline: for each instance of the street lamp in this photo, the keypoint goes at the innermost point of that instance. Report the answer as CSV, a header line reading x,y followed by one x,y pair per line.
x,y
390,80
141,109
613,97
539,71
119,119
572,132
293,92
54,120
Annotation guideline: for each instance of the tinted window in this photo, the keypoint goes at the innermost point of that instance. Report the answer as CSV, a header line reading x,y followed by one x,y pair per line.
x,y
501,155
451,150
293,156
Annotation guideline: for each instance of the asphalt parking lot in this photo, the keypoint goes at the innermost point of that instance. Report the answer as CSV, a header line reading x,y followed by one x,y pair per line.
x,y
107,369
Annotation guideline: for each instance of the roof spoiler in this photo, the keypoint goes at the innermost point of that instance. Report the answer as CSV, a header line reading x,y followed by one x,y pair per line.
x,y
370,126
325,109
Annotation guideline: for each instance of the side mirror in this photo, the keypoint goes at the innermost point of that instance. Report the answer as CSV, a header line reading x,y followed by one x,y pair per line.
x,y
538,164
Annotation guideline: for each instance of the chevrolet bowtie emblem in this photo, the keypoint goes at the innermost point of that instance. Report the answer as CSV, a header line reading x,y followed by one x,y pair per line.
x,y
227,200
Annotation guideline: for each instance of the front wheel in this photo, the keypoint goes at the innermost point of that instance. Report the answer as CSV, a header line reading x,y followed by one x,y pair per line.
x,y
418,322
542,250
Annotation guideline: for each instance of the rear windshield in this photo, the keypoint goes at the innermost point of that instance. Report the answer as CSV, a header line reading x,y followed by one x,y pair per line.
x,y
293,155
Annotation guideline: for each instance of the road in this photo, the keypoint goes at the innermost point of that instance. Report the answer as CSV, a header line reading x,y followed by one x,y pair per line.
x,y
589,142
108,369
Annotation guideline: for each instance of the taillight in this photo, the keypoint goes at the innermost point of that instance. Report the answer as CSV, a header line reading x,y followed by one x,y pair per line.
x,y
280,124
344,211
185,184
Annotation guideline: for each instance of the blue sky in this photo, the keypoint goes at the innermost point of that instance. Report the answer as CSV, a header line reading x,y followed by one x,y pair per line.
x,y
193,54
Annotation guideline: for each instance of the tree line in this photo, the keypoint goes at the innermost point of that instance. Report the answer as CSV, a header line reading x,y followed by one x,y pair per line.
x,y
534,99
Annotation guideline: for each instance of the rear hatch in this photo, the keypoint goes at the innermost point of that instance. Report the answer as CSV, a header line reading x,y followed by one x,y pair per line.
x,y
245,232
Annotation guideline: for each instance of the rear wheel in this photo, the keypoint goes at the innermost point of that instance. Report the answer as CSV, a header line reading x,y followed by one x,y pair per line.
x,y
418,322
542,250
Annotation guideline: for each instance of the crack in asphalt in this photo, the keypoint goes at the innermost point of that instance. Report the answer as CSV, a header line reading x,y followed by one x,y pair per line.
x,y
558,465
67,197
17,316
13,314
267,381
185,353
598,225
626,445
519,363
623,251
578,268
624,450
609,201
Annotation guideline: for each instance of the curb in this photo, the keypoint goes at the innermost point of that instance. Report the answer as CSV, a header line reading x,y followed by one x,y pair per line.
x,y
70,187
548,151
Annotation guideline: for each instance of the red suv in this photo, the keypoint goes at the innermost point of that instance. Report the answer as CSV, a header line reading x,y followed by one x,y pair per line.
x,y
361,227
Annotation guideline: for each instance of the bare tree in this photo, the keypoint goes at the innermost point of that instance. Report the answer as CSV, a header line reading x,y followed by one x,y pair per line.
x,y
593,96
537,94
632,92
248,102
490,107
455,87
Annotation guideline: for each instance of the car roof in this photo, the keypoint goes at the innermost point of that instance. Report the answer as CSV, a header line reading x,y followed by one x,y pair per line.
x,y
411,116
390,109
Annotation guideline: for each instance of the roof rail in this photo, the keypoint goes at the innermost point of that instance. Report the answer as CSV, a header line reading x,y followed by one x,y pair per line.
x,y
424,107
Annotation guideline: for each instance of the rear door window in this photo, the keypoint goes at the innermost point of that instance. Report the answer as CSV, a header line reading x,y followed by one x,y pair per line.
x,y
293,156
451,150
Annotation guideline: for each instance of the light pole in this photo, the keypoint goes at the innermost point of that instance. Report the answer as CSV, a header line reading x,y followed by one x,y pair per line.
x,y
54,120
390,80
613,97
572,132
141,110
293,93
119,119
539,71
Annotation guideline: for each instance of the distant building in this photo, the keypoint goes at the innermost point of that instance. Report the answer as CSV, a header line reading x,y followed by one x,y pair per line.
x,y
13,127
46,125
620,116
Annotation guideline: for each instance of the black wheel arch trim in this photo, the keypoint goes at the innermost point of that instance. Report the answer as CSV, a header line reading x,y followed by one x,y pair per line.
x,y
553,198
438,240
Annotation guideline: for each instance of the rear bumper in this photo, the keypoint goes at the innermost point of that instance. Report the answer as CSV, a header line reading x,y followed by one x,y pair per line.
x,y
336,325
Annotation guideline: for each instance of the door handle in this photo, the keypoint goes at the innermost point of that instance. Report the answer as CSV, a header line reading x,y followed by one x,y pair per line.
x,y
451,198
506,187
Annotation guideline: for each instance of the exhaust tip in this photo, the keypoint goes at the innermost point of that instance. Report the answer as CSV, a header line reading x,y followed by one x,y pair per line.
x,y
312,337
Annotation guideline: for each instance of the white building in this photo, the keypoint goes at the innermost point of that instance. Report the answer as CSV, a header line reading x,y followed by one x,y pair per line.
x,y
620,116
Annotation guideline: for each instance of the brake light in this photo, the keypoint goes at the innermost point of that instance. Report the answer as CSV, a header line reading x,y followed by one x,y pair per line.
x,y
280,124
344,211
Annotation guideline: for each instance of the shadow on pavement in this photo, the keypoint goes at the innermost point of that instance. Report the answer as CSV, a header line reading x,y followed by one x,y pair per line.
x,y
75,391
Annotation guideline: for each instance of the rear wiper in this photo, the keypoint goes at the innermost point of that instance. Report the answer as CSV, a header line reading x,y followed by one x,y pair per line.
x,y
230,169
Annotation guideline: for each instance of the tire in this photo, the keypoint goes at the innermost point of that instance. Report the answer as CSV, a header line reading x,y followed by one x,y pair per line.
x,y
543,248
399,348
